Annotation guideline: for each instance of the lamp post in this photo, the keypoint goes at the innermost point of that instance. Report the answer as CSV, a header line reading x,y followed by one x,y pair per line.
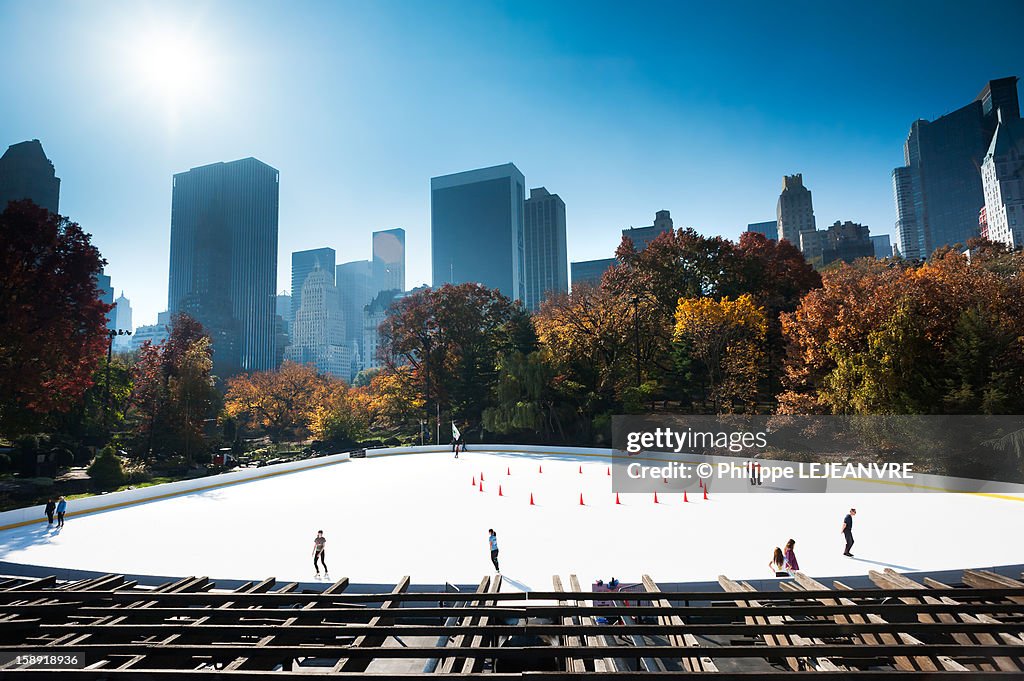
x,y
111,334
428,341
636,336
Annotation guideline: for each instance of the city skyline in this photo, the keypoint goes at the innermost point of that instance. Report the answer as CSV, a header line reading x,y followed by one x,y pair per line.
x,y
618,132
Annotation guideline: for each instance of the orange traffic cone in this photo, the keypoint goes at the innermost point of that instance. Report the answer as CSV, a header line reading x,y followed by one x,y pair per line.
x,y
617,502
581,469
481,476
685,500
655,497
609,470
581,499
474,481
540,469
508,471
481,487
700,481
499,491
531,499
705,494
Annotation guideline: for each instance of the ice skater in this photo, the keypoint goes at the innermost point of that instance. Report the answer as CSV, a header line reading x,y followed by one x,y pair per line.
x,y
62,507
848,531
789,555
320,552
493,539
778,563
456,439
51,507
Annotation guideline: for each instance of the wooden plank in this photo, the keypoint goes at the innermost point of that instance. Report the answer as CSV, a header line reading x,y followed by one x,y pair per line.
x,y
924,662
350,664
472,664
689,663
460,640
772,640
572,664
601,664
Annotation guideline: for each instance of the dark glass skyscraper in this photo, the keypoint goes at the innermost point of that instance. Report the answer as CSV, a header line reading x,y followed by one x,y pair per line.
x,y
223,269
26,173
938,192
476,229
547,262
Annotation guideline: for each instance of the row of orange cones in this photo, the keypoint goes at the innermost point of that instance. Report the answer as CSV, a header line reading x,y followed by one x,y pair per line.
x,y
480,487
540,469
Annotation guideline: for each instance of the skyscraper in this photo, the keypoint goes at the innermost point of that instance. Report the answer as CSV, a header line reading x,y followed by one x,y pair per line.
x,y
389,260
106,290
223,264
769,229
476,229
355,284
26,173
882,246
643,236
938,191
304,262
590,271
1002,176
318,333
547,263
123,320
795,210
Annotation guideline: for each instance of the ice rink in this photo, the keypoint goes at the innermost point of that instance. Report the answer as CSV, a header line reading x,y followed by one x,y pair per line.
x,y
420,515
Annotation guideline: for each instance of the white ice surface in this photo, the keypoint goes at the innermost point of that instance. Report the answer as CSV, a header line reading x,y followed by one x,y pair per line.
x,y
419,515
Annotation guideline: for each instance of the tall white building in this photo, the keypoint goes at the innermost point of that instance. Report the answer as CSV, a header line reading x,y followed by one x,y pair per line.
x,y
318,332
1002,178
122,320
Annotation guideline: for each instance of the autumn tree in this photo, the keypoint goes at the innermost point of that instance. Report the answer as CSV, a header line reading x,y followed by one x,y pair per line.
x,y
943,337
278,403
727,338
590,338
173,392
778,276
338,414
451,337
52,319
395,401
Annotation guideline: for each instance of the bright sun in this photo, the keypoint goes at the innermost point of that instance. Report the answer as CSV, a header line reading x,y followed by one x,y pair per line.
x,y
171,68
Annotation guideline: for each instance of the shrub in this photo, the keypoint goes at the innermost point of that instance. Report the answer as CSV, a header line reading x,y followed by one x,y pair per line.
x,y
62,457
106,471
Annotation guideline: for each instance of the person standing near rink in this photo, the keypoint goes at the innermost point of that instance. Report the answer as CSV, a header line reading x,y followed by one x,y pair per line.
x,y
493,539
320,552
51,507
62,507
791,565
848,531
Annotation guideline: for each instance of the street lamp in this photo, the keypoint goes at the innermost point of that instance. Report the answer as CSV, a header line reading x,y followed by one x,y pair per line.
x,y
111,334
636,336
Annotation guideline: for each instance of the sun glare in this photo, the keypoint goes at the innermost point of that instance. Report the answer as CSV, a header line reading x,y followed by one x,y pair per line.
x,y
171,68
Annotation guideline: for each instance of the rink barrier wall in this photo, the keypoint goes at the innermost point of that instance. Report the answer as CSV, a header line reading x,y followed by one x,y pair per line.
x,y
20,517
104,502
951,577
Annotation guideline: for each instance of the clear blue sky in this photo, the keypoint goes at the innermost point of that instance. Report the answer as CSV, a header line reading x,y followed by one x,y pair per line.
x,y
621,108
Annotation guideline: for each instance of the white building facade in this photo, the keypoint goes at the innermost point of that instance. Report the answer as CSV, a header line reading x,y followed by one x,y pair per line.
x,y
1002,177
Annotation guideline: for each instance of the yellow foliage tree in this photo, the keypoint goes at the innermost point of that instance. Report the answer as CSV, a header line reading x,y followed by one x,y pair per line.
x,y
727,338
277,402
